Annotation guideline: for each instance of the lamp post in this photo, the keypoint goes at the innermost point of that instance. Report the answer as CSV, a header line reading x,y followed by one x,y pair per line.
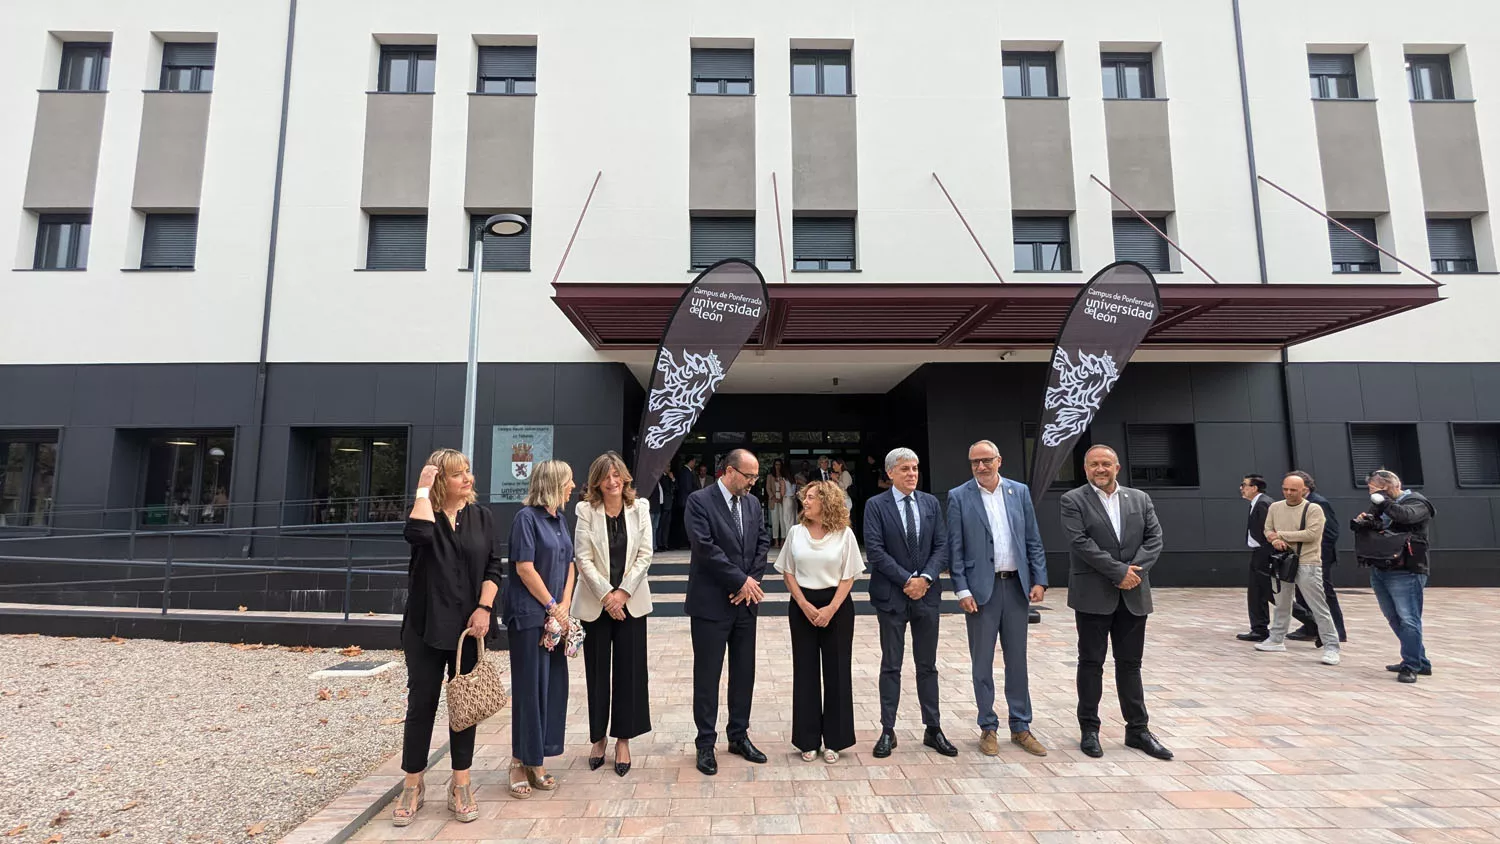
x,y
499,225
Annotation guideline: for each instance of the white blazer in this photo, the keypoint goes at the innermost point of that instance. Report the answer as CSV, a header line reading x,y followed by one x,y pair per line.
x,y
591,555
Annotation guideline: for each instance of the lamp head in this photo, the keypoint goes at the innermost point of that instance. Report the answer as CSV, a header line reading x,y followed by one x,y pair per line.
x,y
506,225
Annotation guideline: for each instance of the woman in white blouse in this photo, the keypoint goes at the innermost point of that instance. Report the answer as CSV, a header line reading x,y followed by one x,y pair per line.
x,y
819,563
781,506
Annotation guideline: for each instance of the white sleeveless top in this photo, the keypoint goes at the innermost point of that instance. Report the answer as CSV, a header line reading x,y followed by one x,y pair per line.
x,y
820,563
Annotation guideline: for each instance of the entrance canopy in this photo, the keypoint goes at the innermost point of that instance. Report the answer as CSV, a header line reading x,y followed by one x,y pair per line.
x,y
633,315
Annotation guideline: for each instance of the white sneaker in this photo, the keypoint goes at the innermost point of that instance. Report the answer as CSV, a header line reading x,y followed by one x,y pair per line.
x,y
1269,646
1330,656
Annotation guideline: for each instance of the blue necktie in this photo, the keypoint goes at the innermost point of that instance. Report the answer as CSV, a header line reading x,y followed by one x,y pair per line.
x,y
911,530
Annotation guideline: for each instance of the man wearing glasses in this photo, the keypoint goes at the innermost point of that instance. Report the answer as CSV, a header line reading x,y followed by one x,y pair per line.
x,y
998,566
1259,596
727,534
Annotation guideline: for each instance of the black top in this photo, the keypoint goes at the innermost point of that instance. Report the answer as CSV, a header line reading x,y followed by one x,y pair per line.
x,y
615,527
447,570
544,541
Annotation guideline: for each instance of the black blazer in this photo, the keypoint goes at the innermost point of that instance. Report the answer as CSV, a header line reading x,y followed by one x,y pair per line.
x,y
720,560
1256,525
885,546
1330,552
667,488
686,482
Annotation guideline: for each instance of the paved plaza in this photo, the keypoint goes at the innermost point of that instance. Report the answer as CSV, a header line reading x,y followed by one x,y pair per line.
x,y
1273,748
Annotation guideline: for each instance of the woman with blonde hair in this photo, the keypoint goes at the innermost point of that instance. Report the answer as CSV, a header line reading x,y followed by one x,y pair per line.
x,y
612,536
541,586
819,563
453,578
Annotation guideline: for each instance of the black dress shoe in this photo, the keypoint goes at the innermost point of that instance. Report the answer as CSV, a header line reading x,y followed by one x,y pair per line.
x,y
1302,635
595,762
744,748
1407,676
1089,744
1425,672
1147,744
1253,637
939,742
707,764
623,768
885,744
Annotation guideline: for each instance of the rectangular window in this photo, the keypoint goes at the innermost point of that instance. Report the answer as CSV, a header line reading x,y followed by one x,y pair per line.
x,y
187,67
359,478
1136,241
1162,455
823,72
1385,446
1030,74
1332,76
723,71
507,70
85,67
501,254
1350,254
62,242
1429,78
187,479
397,242
407,70
1476,451
1071,473
823,243
1127,76
170,243
1042,244
1451,244
717,238
27,476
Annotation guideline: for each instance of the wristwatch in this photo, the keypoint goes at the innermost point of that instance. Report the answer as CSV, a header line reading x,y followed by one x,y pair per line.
x,y
489,608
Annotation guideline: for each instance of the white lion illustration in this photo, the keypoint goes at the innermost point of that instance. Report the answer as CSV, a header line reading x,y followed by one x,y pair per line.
x,y
685,390
1081,388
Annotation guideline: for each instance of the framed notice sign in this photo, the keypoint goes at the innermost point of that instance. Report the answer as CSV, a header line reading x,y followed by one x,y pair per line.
x,y
517,449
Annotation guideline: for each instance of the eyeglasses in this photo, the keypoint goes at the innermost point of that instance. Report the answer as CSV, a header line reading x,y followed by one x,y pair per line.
x,y
983,461
751,478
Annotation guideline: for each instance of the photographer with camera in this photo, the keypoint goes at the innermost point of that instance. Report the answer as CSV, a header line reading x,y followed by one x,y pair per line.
x,y
1392,540
1297,520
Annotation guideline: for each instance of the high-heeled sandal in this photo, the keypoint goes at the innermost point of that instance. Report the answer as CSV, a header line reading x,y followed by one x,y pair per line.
x,y
596,762
541,782
411,801
463,795
519,788
809,756
830,756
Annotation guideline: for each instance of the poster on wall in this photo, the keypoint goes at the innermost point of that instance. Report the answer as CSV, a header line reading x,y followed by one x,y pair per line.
x,y
516,450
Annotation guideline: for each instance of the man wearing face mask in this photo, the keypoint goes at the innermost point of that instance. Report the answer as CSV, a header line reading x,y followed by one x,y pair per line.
x,y
1399,587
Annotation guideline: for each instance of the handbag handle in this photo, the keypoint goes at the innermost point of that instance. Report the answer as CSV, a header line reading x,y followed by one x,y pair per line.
x,y
458,658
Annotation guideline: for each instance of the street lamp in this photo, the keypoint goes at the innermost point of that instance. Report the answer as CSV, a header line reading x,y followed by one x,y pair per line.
x,y
499,225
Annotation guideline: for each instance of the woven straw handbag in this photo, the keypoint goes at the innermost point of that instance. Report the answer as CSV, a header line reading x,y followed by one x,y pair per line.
x,y
477,695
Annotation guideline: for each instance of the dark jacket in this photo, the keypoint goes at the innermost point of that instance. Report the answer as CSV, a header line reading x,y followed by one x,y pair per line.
x,y
721,561
1100,560
1330,553
686,483
1412,513
891,566
1256,525
668,491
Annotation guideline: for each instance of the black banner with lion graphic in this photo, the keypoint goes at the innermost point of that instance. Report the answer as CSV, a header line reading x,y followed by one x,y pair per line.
x,y
1108,320
714,319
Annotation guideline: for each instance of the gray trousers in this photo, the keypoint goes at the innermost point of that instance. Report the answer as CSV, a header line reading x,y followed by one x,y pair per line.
x,y
1310,583
1003,618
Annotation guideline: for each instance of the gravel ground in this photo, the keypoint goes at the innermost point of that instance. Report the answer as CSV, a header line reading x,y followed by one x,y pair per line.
x,y
181,742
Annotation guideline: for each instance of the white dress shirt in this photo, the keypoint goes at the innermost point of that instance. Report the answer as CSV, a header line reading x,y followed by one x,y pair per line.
x,y
1250,534
994,505
1111,502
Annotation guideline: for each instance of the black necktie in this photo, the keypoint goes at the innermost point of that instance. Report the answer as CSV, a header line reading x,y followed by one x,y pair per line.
x,y
739,521
911,530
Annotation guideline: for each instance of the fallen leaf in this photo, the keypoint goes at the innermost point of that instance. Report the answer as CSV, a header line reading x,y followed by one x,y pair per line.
x,y
371,613
245,647
105,833
255,829
312,772
115,640
128,806
352,650
386,722
17,831
243,608
325,694
55,839
62,818
302,649
9,692
343,694
57,724
322,720
364,692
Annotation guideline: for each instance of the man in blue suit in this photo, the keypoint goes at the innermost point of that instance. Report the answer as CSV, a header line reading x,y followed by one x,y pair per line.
x,y
995,553
907,548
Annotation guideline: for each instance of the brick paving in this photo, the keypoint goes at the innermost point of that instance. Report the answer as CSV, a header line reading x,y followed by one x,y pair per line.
x,y
1273,748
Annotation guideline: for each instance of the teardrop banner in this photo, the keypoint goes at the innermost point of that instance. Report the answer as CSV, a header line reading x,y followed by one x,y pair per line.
x,y
1108,320
714,319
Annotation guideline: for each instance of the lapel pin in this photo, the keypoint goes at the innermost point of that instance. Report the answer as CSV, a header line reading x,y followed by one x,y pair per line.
x,y
1009,491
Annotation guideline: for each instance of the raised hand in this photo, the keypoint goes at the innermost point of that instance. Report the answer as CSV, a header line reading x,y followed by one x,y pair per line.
x,y
429,476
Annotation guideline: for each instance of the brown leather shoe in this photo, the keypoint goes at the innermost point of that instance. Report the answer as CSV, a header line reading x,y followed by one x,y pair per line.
x,y
1028,743
989,743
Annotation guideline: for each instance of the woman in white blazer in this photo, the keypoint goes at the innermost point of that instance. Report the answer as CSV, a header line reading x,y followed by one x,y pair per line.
x,y
612,547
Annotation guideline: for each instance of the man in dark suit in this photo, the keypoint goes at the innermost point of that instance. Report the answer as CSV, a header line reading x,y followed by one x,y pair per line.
x,y
1115,541
1308,632
686,484
662,500
1259,596
727,533
999,569
824,472
906,544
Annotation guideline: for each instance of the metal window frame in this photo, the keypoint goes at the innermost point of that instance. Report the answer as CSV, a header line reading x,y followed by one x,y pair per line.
x,y
1025,59
1454,265
146,238
822,263
1174,428
1164,256
74,260
196,80
1325,90
25,502
510,81
414,53
1453,446
97,80
367,438
200,457
1065,250
370,240
722,81
820,59
1119,61
1419,476
1442,62
699,266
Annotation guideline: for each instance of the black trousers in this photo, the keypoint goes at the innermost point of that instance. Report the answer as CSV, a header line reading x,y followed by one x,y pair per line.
x,y
1260,598
1303,613
924,641
426,668
1096,633
710,639
662,535
822,675
618,647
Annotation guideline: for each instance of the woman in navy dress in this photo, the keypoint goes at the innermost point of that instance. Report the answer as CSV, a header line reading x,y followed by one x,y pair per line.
x,y
541,586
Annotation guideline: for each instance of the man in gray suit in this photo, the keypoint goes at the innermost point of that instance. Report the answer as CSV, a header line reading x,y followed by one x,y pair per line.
x,y
998,565
1115,541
